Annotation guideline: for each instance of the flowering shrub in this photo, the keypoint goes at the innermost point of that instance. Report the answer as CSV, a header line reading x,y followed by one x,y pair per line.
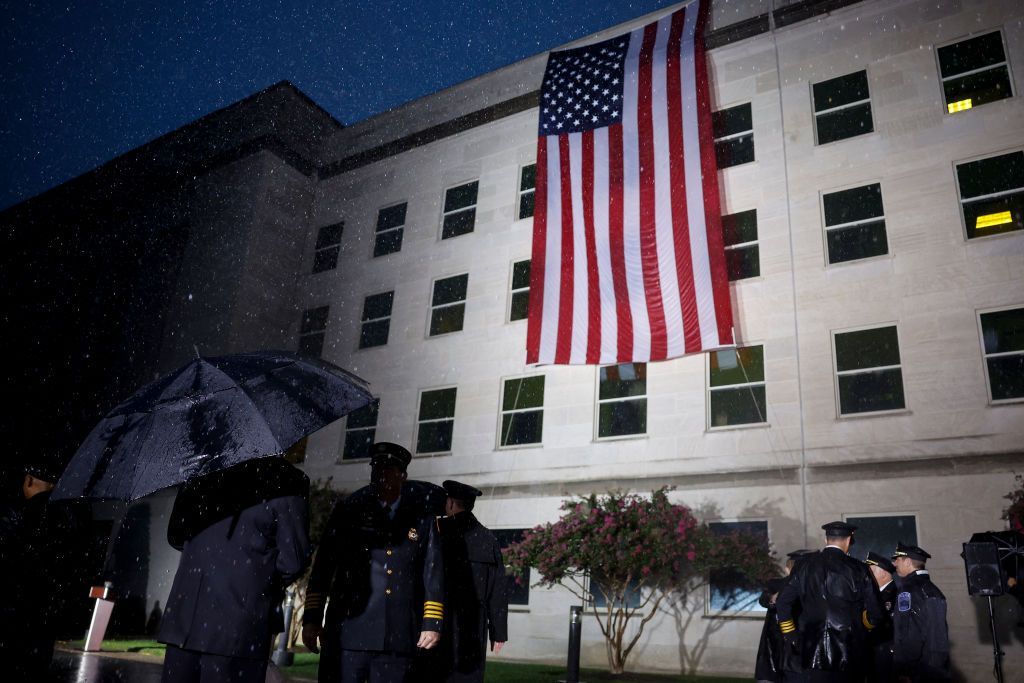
x,y
1015,512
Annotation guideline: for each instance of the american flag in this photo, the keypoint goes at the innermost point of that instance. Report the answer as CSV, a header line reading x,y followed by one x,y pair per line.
x,y
628,263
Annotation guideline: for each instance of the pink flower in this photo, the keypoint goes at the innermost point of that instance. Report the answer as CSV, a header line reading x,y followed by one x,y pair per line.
x,y
691,555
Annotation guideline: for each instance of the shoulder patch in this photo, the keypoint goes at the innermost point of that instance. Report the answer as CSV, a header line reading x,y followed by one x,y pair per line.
x,y
903,602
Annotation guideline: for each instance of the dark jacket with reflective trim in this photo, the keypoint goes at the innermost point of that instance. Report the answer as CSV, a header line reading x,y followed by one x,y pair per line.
x,y
921,636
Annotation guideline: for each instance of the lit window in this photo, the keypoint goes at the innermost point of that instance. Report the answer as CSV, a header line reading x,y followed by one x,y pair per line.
x,y
522,411
881,534
974,72
992,194
729,590
519,302
376,320
312,331
448,306
390,228
328,242
436,421
1002,336
868,371
360,431
734,135
842,107
742,253
736,393
459,210
518,592
855,224
622,400
527,184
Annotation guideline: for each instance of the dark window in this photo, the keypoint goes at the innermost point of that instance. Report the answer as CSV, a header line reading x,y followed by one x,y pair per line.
x,y
519,305
390,227
459,210
880,534
436,421
527,184
974,72
734,135
622,400
1003,335
522,411
842,107
736,393
742,254
992,194
312,331
731,591
360,431
868,371
632,598
376,320
518,589
448,305
328,242
855,224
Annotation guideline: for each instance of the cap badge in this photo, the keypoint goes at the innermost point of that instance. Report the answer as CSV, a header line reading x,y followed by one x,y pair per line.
x,y
413,535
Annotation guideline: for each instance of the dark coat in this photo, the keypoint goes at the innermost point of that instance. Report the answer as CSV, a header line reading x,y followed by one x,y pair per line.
x,y
836,593
920,633
238,554
880,638
769,663
477,594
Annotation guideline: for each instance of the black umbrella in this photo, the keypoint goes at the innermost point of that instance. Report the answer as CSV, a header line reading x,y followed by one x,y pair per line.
x,y
1009,545
206,416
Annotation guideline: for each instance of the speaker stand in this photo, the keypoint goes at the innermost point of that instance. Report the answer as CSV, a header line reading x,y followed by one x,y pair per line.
x,y
997,654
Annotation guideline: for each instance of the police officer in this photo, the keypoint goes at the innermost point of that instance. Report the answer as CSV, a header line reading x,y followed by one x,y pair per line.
x,y
880,638
475,586
769,666
921,636
837,602
380,562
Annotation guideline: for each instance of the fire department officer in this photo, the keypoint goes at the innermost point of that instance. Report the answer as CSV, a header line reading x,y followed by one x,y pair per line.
x,y
882,570
921,636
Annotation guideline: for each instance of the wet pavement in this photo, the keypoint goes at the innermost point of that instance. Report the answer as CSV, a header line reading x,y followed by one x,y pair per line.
x,y
78,667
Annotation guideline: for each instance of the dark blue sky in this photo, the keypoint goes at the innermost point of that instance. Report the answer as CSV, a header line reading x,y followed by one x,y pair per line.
x,y
86,80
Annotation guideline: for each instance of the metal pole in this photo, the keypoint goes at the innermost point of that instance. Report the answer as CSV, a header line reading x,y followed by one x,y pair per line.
x,y
282,656
997,654
572,665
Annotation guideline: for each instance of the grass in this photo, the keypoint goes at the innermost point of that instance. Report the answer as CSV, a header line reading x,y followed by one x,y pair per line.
x,y
138,646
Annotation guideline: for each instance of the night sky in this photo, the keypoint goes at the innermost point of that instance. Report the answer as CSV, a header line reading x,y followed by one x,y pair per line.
x,y
85,81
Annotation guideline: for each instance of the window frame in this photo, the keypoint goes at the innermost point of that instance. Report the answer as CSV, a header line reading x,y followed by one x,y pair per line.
x,y
733,613
708,389
733,136
502,412
970,36
445,214
836,372
378,233
816,114
985,356
462,302
598,402
342,460
416,428
362,322
756,244
520,192
512,292
1004,193
334,245
322,332
826,228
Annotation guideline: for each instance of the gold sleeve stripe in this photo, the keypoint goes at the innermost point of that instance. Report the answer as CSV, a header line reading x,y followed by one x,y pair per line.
x,y
431,603
867,622
428,615
787,626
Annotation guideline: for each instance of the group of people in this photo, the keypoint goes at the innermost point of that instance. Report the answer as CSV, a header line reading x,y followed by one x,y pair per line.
x,y
835,618
413,585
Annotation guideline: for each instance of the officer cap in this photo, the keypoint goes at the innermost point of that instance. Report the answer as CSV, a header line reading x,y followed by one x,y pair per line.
x,y
911,551
44,470
840,529
385,453
796,554
881,562
460,491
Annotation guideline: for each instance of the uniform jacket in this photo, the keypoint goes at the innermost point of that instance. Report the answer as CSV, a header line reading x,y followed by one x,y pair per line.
x,y
837,598
477,594
384,576
227,592
880,638
769,664
920,635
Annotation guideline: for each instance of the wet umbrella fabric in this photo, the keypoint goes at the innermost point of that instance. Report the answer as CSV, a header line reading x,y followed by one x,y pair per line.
x,y
206,416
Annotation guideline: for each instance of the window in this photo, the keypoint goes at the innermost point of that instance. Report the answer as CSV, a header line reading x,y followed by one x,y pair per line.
x,y
376,320
992,194
736,393
522,411
1002,338
734,135
842,107
459,210
527,184
519,302
390,227
730,591
974,72
632,598
622,400
448,306
436,421
312,331
868,372
880,534
360,431
518,591
855,224
742,254
328,242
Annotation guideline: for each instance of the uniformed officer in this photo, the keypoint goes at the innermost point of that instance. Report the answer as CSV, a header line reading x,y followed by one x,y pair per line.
x,y
475,586
769,666
921,636
880,638
380,563
838,603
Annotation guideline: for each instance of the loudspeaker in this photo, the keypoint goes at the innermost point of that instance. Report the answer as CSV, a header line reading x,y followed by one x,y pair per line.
x,y
984,576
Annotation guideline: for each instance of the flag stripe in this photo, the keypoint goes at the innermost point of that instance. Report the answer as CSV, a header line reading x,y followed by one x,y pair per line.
x,y
607,349
593,340
537,260
552,275
564,331
580,279
617,242
641,343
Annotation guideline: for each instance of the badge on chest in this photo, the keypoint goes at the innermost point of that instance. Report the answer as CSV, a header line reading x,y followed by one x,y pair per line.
x,y
413,535
903,602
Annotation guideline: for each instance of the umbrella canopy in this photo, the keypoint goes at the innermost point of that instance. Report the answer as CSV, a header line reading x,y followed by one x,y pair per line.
x,y
206,416
1009,545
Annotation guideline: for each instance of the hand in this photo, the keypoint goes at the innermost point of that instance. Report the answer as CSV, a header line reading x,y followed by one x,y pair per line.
x,y
496,646
310,634
428,639
1011,582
